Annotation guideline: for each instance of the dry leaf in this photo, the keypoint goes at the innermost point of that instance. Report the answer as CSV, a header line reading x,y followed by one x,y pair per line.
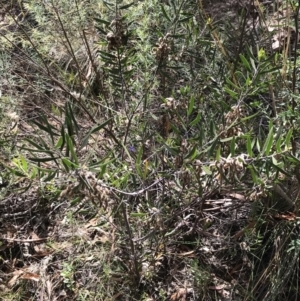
x,y
30,276
13,280
180,295
216,287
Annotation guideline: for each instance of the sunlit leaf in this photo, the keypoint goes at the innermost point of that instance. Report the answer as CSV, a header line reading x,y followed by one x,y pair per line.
x,y
218,153
24,164
206,170
16,172
69,164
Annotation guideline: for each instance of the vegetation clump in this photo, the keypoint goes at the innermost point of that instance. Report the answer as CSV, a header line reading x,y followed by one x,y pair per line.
x,y
149,150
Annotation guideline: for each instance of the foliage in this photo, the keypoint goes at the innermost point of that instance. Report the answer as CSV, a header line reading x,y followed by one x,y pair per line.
x,y
137,114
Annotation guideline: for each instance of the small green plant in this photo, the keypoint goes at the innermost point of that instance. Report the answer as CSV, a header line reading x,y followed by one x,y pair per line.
x,y
68,275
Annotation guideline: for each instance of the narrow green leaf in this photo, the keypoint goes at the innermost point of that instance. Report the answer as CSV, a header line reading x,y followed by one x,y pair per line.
x,y
232,84
50,130
196,120
269,70
66,166
101,30
138,162
218,153
63,136
279,133
248,81
293,159
51,176
69,125
102,172
207,170
98,20
16,172
107,54
48,159
59,142
212,128
34,144
250,117
94,129
126,6
253,64
24,164
108,4
249,147
71,148
114,71
180,36
258,145
191,105
38,151
212,147
184,19
70,111
68,163
288,138
245,62
102,162
274,161
165,13
45,170
33,173
41,126
278,144
269,141
100,126
233,94
76,201
139,156
192,153
175,128
253,174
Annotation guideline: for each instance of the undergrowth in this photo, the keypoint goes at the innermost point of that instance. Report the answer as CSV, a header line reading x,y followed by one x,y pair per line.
x,y
148,151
